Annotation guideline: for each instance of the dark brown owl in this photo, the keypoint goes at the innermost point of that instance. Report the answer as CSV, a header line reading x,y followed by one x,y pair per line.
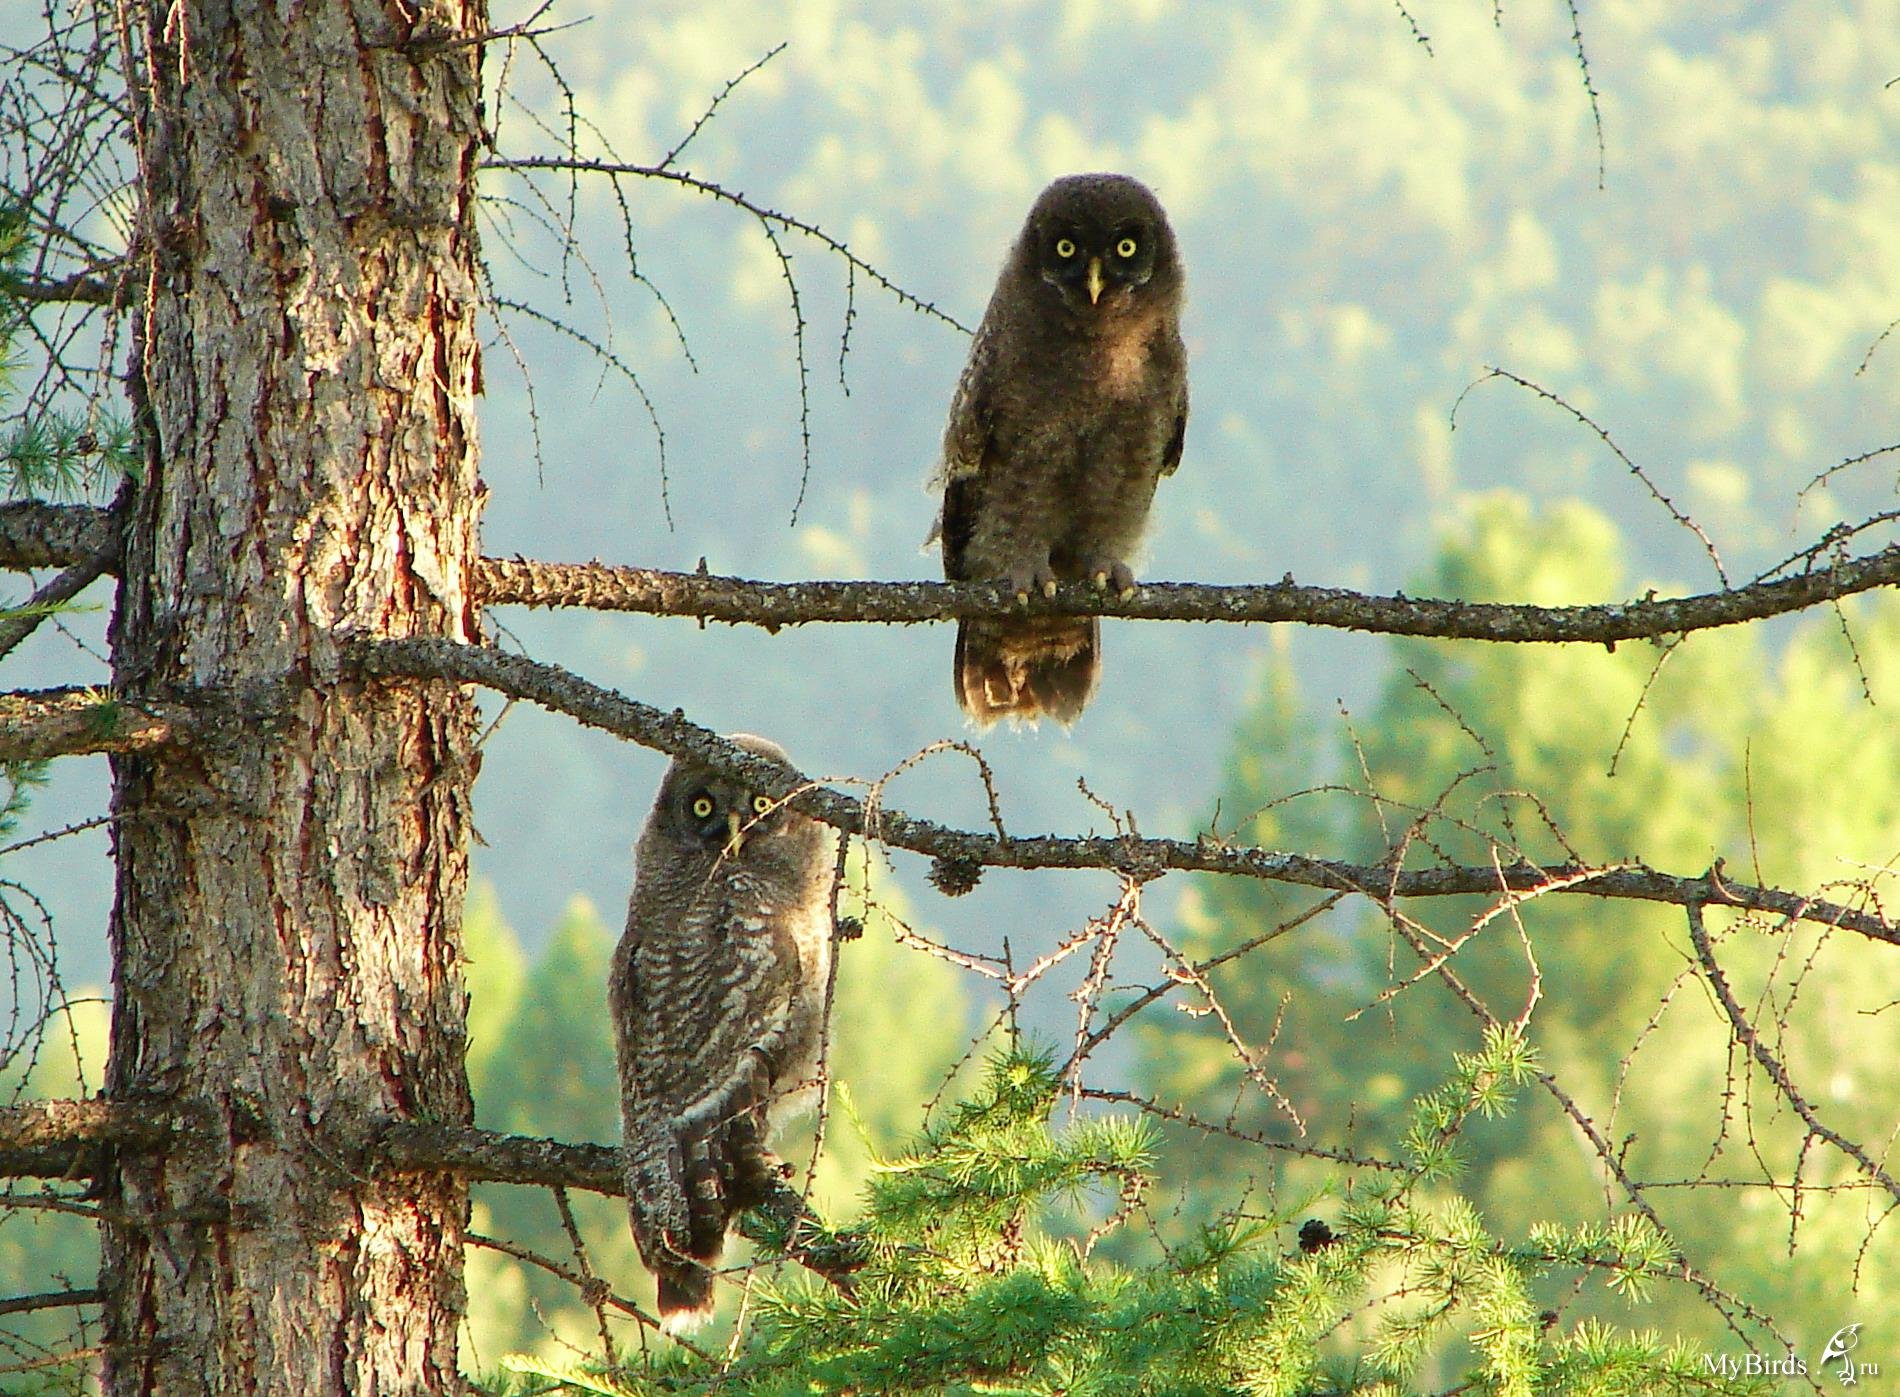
x,y
1071,408
718,1000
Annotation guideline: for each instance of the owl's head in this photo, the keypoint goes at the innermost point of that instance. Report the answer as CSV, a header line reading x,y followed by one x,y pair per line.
x,y
1103,244
711,814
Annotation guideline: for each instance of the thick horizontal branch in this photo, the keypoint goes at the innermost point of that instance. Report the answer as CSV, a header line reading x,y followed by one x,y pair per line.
x,y
39,535
35,724
788,1224
34,534
504,582
81,287
556,689
48,1300
68,1139
505,1159
64,1139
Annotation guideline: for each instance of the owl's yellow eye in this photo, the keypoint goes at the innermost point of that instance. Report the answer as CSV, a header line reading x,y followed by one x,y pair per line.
x,y
1125,248
761,804
702,807
1065,248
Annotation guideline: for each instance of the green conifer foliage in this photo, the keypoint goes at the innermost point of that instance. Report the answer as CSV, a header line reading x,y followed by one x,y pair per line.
x,y
963,1291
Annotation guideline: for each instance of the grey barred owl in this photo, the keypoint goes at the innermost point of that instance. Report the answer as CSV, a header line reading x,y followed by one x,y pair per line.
x,y
1072,406
718,999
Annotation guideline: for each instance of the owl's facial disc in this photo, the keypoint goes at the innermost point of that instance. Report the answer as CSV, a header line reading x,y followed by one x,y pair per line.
x,y
725,820
1097,268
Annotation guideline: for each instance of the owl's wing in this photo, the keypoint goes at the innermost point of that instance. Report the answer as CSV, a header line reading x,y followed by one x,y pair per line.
x,y
957,522
697,1074
966,436
687,1175
1177,437
650,1155
968,450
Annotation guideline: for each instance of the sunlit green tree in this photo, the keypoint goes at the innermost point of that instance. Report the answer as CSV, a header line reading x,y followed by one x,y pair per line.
x,y
1737,744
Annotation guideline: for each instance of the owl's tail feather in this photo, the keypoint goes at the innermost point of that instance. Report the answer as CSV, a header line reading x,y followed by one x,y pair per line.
x,y
680,1260
724,1169
686,1298
1028,668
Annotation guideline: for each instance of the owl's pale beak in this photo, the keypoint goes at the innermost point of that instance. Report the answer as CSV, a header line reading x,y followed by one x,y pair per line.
x,y
737,841
1095,280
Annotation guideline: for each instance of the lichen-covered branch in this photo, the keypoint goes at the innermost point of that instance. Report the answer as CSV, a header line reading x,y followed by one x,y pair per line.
x,y
599,587
66,1140
81,288
37,535
781,1219
557,689
61,1139
506,1159
35,724
34,534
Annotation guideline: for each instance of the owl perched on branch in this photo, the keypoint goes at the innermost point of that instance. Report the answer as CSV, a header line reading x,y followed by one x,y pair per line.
x,y
1071,408
718,998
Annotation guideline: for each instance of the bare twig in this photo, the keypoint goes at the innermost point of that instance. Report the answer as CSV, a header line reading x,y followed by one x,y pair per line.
x,y
712,108
584,1283
1602,433
594,1291
52,1360
1746,1035
1231,1132
769,216
1589,86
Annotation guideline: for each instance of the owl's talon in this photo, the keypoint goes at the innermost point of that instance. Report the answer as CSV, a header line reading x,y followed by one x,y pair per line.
x,y
1026,581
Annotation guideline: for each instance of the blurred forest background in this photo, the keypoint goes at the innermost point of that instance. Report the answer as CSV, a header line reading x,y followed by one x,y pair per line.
x,y
1369,222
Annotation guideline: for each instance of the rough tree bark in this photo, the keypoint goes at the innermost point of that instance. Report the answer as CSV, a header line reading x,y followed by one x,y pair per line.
x,y
286,930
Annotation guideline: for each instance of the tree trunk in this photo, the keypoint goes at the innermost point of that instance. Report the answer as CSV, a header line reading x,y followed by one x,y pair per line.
x,y
286,933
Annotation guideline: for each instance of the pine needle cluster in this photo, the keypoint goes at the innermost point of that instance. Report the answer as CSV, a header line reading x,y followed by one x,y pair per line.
x,y
981,1276
43,454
